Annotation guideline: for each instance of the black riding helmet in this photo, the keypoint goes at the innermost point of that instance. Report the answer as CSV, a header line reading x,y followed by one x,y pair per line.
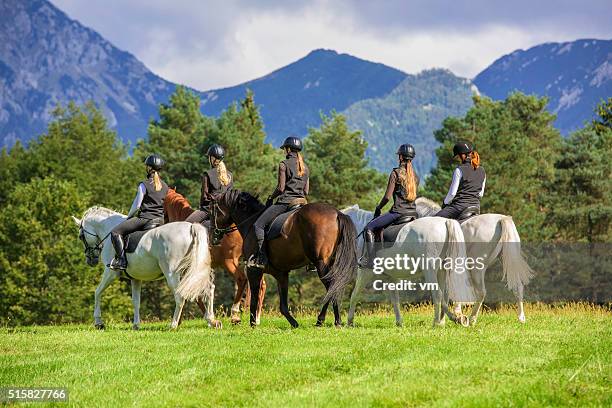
x,y
216,151
462,148
292,142
406,151
155,162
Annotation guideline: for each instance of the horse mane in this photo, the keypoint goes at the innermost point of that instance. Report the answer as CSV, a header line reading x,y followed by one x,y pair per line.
x,y
176,207
426,207
359,216
100,211
241,199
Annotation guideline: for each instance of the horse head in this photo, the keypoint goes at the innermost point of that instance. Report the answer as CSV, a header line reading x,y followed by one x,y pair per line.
x,y
234,206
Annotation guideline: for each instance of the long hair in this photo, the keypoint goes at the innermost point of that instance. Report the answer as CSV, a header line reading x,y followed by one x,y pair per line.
x,y
301,167
408,180
221,171
156,178
475,159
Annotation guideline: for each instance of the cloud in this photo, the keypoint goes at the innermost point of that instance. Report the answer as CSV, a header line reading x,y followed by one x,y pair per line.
x,y
222,43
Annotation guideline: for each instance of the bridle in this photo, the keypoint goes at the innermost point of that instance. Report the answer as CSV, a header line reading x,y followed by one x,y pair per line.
x,y
90,251
218,233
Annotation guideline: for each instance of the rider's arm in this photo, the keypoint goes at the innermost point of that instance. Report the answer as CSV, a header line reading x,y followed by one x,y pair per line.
x,y
137,200
307,187
452,191
389,193
483,186
280,187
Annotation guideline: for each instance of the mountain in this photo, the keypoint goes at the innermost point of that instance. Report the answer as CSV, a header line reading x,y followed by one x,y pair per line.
x,y
410,114
574,75
291,98
46,58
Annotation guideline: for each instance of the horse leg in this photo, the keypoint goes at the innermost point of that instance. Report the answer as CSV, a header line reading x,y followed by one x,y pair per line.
x,y
394,298
136,287
210,309
107,278
480,291
241,281
519,298
321,317
254,275
359,285
173,281
262,294
283,293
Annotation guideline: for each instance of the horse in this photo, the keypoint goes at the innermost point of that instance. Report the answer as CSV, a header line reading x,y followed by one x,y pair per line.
x,y
316,234
490,236
177,251
432,237
225,255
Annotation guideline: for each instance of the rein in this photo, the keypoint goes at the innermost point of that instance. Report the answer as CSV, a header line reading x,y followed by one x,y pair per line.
x,y
90,250
220,232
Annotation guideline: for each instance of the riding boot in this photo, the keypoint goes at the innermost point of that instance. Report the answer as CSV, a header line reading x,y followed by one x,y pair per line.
x,y
120,261
260,259
367,261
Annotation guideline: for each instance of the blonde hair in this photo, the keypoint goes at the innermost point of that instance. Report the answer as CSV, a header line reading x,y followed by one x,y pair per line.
x,y
300,164
221,171
408,179
156,179
475,159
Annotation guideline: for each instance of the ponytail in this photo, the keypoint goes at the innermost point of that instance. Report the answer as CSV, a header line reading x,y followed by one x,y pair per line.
x,y
221,171
300,164
408,180
157,181
475,159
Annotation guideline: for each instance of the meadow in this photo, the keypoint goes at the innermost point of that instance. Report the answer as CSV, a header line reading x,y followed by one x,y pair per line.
x,y
562,356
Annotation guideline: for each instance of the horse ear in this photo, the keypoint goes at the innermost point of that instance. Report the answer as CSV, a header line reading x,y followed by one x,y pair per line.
x,y
76,220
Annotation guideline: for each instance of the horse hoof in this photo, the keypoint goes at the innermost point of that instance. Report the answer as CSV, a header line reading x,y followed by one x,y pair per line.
x,y
100,326
350,323
338,325
399,324
135,327
317,324
216,324
235,320
522,319
465,322
472,322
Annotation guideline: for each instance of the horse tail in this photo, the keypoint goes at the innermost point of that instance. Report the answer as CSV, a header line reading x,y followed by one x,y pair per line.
x,y
517,272
458,281
341,272
195,267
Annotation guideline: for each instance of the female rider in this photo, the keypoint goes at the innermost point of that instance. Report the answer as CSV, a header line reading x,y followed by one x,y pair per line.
x,y
215,181
291,189
402,186
468,183
147,210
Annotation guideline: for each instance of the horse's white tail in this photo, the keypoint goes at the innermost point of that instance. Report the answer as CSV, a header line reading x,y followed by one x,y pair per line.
x,y
459,287
195,269
517,272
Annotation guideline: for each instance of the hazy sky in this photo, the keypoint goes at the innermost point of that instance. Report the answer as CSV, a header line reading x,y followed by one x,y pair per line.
x,y
210,44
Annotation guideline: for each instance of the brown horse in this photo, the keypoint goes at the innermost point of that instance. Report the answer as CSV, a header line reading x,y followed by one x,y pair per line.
x,y
226,255
317,234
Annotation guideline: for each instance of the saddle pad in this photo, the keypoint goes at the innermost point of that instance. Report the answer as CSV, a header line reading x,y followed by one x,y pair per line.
x,y
390,232
275,229
133,240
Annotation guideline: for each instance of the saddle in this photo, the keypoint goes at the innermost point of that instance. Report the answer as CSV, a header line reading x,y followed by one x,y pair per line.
x,y
132,240
468,213
390,232
277,227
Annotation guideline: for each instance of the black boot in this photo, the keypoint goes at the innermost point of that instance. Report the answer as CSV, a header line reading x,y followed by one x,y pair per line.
x,y
259,260
367,261
120,261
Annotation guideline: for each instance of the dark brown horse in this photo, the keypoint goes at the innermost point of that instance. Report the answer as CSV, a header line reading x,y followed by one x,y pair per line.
x,y
317,234
226,255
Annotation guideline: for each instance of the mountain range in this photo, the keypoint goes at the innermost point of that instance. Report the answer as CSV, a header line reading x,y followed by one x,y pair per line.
x,y
47,58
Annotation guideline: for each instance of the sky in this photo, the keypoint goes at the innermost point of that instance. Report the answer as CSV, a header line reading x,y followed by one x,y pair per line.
x,y
211,44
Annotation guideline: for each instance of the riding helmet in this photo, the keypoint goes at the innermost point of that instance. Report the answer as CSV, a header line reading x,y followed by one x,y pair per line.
x,y
155,162
462,148
292,142
406,151
216,151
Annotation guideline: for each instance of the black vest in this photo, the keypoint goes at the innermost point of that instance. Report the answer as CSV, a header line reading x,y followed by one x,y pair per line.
x,y
152,206
215,187
294,183
400,204
470,186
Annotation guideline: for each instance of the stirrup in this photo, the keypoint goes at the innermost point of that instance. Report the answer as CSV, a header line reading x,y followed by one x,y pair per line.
x,y
118,264
257,261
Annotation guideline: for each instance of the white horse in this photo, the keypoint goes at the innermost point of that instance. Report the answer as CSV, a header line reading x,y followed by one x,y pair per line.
x,y
432,237
170,251
489,236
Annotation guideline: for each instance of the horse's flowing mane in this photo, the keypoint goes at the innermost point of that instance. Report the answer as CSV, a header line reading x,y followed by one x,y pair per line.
x,y
97,211
359,217
426,207
241,200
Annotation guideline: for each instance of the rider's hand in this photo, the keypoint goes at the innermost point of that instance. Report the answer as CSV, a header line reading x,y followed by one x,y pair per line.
x,y
269,201
377,212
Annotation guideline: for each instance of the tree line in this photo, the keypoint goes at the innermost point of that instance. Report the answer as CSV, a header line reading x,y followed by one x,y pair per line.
x,y
557,189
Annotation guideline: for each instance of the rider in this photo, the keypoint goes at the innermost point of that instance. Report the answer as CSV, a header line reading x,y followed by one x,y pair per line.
x,y
147,209
468,183
402,186
291,189
215,181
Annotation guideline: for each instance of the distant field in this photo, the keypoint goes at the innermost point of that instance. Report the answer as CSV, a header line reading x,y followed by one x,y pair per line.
x,y
560,357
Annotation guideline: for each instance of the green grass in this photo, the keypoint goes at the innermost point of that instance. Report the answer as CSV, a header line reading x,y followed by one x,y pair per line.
x,y
560,357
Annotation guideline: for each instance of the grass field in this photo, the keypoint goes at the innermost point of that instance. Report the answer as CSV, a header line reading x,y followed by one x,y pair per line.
x,y
560,357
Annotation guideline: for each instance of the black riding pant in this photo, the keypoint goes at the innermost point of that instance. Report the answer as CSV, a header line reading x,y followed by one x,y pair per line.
x,y
266,217
127,227
453,210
